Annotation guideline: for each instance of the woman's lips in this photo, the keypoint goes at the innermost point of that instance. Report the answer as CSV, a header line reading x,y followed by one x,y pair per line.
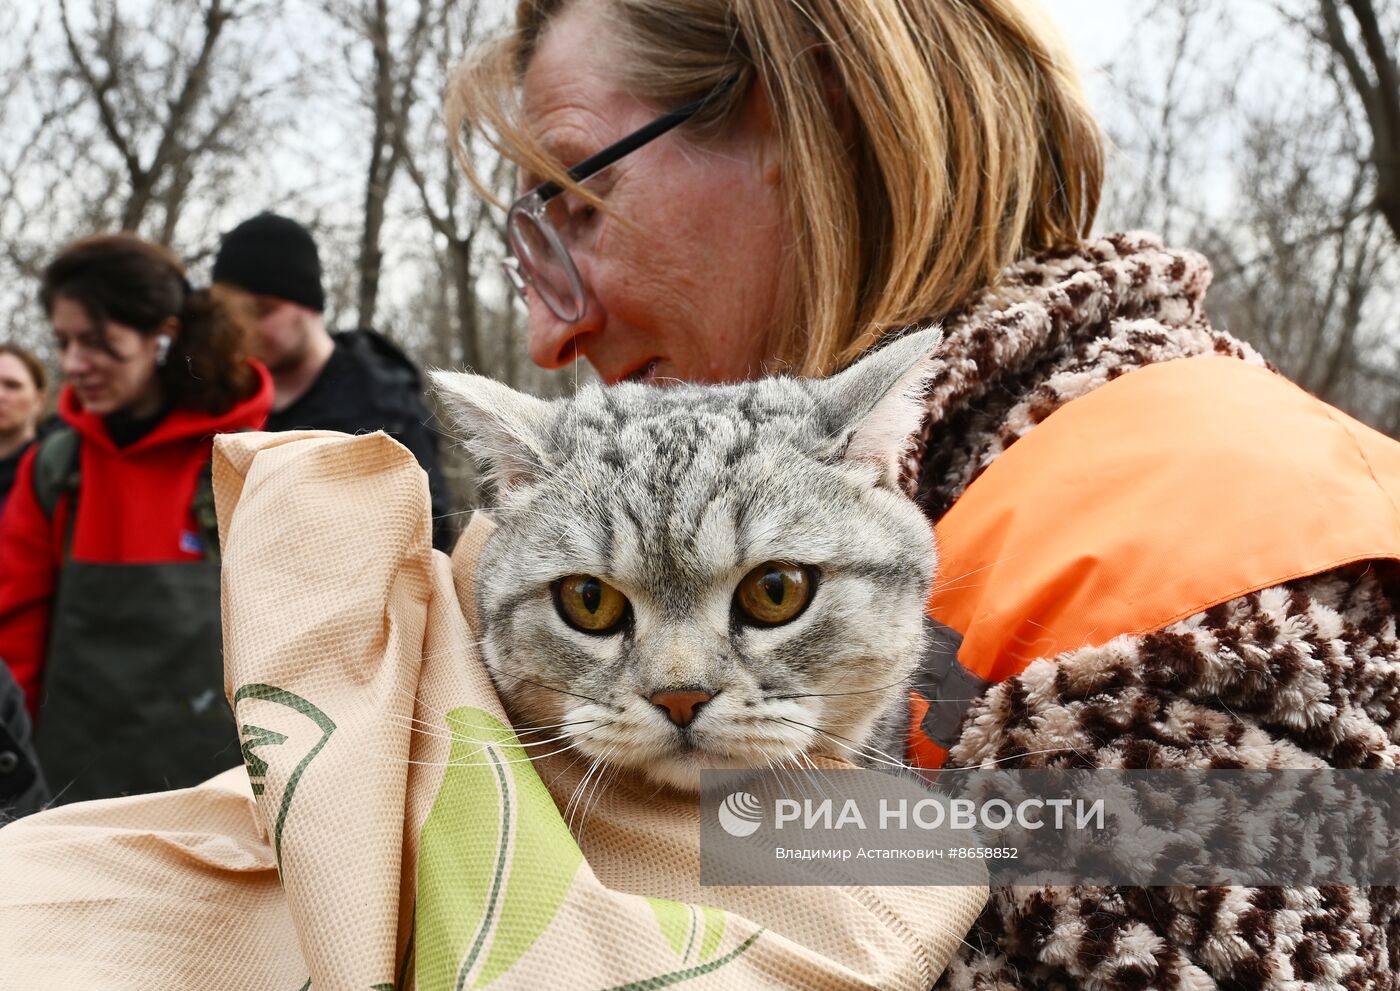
x,y
644,373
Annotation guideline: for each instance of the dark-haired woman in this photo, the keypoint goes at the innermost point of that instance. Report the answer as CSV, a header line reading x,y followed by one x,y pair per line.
x,y
109,576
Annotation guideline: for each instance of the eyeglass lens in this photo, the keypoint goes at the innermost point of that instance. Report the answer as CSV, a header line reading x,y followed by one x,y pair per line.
x,y
545,264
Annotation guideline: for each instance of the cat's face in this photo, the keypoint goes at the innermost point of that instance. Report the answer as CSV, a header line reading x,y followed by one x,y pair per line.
x,y
703,577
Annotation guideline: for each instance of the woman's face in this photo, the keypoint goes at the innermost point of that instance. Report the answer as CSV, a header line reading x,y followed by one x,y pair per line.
x,y
120,377
21,399
689,291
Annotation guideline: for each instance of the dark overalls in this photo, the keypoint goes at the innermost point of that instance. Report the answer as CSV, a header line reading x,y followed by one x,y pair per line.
x,y
133,697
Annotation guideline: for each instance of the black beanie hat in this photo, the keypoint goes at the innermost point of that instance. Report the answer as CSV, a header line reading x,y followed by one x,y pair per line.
x,y
272,256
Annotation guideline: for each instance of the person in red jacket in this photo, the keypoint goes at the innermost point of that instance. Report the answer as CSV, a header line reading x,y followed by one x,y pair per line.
x,y
109,575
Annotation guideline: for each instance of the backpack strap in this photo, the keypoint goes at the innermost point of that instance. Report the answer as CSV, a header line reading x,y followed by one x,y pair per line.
x,y
205,516
56,468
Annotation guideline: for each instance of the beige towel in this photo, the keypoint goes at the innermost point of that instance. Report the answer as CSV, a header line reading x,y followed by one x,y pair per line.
x,y
388,832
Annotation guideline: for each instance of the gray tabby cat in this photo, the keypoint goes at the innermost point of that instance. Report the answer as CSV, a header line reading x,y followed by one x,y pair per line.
x,y
706,576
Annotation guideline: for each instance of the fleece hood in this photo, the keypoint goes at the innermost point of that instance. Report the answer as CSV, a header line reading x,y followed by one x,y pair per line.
x,y
1053,328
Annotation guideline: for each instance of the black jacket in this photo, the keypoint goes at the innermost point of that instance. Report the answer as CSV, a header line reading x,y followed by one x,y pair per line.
x,y
369,384
22,788
9,467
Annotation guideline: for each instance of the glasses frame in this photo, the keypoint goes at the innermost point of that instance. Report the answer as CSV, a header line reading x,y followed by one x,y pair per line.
x,y
532,205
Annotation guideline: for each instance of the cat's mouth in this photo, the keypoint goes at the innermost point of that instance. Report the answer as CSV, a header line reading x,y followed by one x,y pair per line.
x,y
678,757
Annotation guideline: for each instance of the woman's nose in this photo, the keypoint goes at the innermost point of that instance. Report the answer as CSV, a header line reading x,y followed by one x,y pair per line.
x,y
554,343
71,361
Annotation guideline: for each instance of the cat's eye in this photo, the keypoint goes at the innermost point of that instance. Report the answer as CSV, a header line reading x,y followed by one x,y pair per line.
x,y
774,593
590,604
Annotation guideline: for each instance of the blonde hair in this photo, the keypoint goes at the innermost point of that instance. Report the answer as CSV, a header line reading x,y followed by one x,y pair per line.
x,y
925,144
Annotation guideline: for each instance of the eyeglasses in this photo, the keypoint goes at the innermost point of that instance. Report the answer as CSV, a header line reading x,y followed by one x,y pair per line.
x,y
540,261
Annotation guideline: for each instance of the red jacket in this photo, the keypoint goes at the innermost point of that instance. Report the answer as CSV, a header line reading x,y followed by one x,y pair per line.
x,y
134,507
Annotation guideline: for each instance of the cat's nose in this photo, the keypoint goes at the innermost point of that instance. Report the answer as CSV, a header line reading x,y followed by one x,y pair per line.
x,y
680,704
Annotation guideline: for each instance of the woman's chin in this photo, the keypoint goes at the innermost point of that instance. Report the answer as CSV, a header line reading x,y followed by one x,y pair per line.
x,y
98,405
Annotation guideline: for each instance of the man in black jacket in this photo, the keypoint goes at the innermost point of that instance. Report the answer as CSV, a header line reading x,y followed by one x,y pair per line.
x,y
353,381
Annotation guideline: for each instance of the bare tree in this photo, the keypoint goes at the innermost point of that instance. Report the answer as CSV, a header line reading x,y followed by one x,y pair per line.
x,y
389,90
467,230
1303,266
1369,61
456,220
461,303
160,143
131,115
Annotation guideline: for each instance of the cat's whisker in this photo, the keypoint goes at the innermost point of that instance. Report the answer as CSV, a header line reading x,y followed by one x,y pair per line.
x,y
527,759
870,753
458,738
610,775
524,748
419,702
822,695
460,761
944,582
432,733
541,741
982,766
866,748
540,727
455,512
791,772
573,794
581,789
549,688
445,731
566,522
578,755
812,773
413,723
424,725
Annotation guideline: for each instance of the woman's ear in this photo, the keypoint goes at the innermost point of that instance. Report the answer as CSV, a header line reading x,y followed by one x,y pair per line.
x,y
760,122
758,125
170,327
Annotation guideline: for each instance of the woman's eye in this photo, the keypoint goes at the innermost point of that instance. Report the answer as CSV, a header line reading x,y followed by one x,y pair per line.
x,y
590,604
775,593
581,213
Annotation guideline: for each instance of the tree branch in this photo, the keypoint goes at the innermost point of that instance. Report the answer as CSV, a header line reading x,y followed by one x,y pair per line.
x,y
101,90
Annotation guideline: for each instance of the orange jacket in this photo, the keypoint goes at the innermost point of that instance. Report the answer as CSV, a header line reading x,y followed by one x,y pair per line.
x,y
1170,490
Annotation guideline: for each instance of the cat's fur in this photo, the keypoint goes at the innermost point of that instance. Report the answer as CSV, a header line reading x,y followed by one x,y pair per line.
x,y
672,495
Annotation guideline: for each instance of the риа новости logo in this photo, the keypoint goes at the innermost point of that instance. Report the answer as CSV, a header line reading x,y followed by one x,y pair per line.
x,y
740,814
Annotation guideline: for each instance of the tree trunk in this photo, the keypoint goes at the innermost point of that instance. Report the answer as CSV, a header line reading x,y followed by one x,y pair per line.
x,y
380,171
1376,78
468,319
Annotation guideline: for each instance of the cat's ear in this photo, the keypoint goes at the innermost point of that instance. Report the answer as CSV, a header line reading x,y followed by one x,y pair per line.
x,y
878,401
503,428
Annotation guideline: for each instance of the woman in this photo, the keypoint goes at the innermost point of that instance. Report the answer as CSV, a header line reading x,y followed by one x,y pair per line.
x,y
109,575
23,390
844,169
